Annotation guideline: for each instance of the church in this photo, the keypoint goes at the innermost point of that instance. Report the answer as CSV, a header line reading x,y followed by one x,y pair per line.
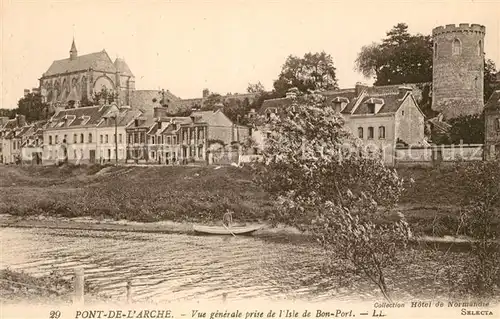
x,y
71,82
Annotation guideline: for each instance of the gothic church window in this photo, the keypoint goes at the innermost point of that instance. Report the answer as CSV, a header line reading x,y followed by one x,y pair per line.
x,y
456,47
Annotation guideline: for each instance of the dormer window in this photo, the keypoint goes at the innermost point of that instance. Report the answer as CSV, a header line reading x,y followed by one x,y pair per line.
x,y
136,122
337,106
371,108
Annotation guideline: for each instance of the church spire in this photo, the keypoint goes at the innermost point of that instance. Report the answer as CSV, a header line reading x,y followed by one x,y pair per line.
x,y
73,53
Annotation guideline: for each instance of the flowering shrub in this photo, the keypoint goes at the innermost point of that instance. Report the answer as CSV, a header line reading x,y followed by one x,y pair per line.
x,y
329,184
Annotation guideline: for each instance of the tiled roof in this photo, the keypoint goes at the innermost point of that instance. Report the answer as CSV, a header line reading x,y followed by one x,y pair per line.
x,y
391,103
82,116
493,103
124,118
122,67
99,61
278,104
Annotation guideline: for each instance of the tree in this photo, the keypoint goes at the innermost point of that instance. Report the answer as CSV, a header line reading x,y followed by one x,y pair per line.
x,y
33,107
329,184
400,58
7,113
490,76
312,72
105,95
235,109
468,129
256,88
481,217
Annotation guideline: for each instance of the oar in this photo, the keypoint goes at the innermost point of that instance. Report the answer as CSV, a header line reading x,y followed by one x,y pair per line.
x,y
228,230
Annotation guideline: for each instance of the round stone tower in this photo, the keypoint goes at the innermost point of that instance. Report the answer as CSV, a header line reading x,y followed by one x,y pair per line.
x,y
458,69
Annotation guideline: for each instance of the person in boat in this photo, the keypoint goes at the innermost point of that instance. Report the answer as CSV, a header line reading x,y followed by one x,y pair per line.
x,y
227,219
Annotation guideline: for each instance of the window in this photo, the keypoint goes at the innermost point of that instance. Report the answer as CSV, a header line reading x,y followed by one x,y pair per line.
x,y
456,47
90,137
371,108
152,140
57,139
479,49
65,139
403,112
381,132
119,138
82,139
337,106
174,140
74,153
168,140
497,124
106,139
360,132
109,154
435,50
75,138
370,132
130,138
50,140
100,138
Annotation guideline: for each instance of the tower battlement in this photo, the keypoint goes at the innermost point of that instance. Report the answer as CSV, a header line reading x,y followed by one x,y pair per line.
x,y
462,27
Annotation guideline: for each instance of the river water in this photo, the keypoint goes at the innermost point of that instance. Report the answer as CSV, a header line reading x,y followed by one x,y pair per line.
x,y
172,267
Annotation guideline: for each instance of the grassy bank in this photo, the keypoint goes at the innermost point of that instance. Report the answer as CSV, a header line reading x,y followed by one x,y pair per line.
x,y
194,194
18,286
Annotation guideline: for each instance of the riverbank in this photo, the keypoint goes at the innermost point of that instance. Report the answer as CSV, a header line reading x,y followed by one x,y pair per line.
x,y
195,195
279,233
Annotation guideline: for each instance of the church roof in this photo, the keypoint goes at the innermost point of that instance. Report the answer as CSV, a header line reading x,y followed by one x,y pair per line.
x,y
122,67
99,61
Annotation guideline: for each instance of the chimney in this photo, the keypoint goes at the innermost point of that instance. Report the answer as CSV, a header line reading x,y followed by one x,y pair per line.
x,y
21,120
26,92
159,112
402,90
360,87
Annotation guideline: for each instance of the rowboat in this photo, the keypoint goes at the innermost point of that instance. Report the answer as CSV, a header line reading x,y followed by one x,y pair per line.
x,y
222,230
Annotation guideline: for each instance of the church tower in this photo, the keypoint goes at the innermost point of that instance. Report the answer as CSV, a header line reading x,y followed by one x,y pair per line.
x,y
73,53
458,70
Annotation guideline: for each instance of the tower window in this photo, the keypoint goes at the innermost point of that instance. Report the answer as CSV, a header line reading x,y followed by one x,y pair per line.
x,y
456,47
479,49
435,50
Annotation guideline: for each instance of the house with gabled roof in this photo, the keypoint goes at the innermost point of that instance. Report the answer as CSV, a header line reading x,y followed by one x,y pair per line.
x,y
164,139
10,140
492,126
93,134
380,116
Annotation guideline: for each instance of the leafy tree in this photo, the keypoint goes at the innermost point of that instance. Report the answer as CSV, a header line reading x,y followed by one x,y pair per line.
x,y
235,109
490,74
329,184
468,129
312,72
400,58
7,113
105,95
33,107
481,217
256,88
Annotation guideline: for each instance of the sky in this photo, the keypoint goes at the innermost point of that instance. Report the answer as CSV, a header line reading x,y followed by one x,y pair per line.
x,y
186,46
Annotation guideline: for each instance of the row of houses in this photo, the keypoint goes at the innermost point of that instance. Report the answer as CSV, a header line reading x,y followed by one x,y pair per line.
x,y
109,133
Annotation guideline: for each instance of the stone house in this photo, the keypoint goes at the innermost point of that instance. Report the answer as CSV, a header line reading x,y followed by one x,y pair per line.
x,y
179,140
492,126
10,139
380,116
87,134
